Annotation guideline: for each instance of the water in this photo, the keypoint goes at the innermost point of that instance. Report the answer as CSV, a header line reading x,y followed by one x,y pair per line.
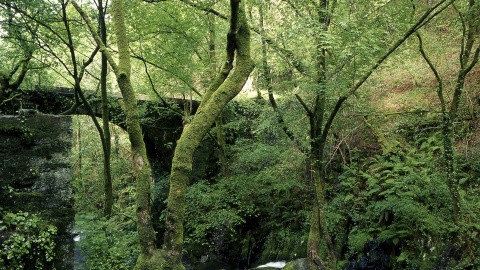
x,y
279,265
79,259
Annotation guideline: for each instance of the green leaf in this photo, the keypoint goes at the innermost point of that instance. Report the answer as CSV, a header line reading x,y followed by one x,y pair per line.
x,y
348,197
395,241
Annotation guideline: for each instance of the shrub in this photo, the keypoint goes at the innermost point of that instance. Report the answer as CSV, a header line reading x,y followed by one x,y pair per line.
x,y
29,241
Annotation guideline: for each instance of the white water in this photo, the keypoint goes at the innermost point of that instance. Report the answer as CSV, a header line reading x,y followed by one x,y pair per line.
x,y
279,264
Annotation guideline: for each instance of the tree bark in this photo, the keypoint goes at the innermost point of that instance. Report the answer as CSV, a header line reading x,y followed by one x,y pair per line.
x,y
108,189
222,156
212,104
142,168
468,59
318,225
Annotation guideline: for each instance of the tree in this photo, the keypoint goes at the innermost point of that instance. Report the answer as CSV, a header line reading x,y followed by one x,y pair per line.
x,y
219,93
11,78
469,56
105,116
142,168
9,84
329,62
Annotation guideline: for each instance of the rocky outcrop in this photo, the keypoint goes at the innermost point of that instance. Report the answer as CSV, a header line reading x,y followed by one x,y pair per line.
x,y
35,174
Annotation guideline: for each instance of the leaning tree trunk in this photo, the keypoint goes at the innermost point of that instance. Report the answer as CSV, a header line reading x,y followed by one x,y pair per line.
x,y
210,109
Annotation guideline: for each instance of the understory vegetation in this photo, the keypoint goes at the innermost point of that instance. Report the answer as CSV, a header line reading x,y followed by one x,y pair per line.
x,y
390,210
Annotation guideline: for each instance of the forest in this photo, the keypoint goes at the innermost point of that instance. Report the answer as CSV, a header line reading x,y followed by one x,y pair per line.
x,y
326,134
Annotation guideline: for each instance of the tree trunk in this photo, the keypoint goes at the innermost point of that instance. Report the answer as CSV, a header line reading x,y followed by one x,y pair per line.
x,y
211,107
108,189
222,156
6,85
468,59
145,231
319,223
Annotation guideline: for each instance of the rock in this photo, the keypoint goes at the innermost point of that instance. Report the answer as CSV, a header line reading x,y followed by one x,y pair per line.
x,y
300,264
35,174
212,265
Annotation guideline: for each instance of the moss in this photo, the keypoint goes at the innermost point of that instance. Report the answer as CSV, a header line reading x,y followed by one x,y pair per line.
x,y
300,264
19,132
192,136
30,201
158,260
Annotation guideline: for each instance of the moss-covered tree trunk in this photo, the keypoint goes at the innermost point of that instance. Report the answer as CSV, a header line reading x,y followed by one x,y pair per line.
x,y
7,83
219,94
212,105
142,168
318,226
222,156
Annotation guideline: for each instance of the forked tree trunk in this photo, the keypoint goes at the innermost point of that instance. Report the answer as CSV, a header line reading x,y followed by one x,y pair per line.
x,y
319,134
238,40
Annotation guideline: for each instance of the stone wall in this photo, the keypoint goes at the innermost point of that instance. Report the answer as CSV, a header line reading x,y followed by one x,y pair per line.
x,y
35,174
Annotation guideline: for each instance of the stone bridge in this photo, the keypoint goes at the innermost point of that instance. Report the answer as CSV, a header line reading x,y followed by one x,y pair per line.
x,y
161,125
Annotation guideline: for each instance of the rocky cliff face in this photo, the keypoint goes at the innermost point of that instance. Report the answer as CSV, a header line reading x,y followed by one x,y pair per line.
x,y
35,175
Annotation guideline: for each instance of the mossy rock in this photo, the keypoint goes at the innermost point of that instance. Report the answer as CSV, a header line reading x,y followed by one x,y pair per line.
x,y
35,174
300,264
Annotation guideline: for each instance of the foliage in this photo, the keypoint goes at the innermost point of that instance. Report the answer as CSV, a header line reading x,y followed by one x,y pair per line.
x,y
107,244
88,166
403,201
398,202
112,243
29,241
254,206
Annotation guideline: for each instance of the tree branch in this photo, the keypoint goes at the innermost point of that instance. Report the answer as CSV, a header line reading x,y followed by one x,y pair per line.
x,y
309,112
95,35
434,70
192,87
415,27
201,7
